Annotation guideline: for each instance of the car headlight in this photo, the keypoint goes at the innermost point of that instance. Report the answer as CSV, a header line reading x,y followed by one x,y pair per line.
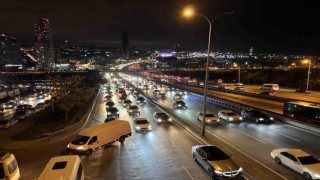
x,y
230,119
169,119
159,120
109,113
149,127
240,118
68,146
117,112
240,169
179,105
271,118
130,110
219,173
261,119
80,147
138,127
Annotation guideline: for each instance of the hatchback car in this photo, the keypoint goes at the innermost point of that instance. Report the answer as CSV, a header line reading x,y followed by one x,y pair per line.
x,y
299,161
229,116
217,163
133,109
112,112
180,105
110,104
141,124
160,117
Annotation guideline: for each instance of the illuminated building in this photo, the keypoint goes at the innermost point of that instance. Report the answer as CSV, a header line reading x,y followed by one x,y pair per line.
x,y
9,50
251,51
44,44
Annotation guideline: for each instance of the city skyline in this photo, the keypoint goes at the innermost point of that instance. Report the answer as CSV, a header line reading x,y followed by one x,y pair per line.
x,y
280,27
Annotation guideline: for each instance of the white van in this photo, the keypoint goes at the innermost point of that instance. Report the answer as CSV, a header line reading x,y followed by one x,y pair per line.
x,y
100,135
270,87
9,167
63,167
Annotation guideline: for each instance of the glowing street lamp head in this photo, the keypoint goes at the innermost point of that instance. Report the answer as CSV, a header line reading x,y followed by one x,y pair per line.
x,y
188,12
306,61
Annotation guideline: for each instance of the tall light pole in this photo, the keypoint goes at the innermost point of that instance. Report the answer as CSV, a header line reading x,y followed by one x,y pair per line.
x,y
309,72
188,12
237,65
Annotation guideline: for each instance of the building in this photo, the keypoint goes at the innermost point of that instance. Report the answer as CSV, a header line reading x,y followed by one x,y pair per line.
x,y
251,51
9,50
125,45
44,44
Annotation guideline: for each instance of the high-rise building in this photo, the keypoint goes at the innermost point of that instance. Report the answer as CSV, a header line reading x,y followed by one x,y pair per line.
x,y
251,51
44,44
125,45
9,50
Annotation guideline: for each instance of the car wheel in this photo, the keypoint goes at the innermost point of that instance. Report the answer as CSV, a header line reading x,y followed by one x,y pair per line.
x,y
278,161
122,139
88,152
307,176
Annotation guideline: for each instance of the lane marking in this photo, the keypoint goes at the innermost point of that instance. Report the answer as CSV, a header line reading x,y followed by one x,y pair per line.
x,y
187,171
287,136
248,135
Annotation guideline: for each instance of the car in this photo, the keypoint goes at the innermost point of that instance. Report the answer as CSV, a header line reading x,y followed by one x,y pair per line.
x,y
40,96
122,97
268,93
145,87
141,124
109,119
170,88
133,109
112,112
20,115
210,118
34,110
161,95
109,93
108,97
110,104
224,87
161,117
23,107
41,105
179,104
239,88
10,105
141,100
229,116
178,97
303,91
136,94
126,103
181,92
217,163
8,123
299,161
156,91
256,115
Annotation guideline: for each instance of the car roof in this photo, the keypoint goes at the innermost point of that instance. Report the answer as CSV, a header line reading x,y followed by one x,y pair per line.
x,y
140,119
297,152
226,111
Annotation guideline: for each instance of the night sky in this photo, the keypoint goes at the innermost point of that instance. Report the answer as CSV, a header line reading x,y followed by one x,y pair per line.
x,y
279,26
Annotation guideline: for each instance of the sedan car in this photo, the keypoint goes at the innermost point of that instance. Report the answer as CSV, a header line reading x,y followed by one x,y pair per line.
x,y
210,118
110,104
141,100
141,124
23,107
126,103
112,112
256,115
133,109
229,116
160,117
299,161
20,115
10,105
180,105
217,163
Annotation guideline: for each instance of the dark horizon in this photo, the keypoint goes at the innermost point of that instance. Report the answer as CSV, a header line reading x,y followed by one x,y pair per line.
x,y
269,26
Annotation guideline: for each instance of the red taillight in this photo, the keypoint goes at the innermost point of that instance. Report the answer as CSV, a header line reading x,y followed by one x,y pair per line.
x,y
8,178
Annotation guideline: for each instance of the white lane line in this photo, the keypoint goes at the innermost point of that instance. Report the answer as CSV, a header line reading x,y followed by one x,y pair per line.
x,y
187,172
288,136
249,135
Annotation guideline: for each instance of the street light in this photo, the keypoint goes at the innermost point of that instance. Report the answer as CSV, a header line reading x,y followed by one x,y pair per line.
x,y
235,65
189,12
307,61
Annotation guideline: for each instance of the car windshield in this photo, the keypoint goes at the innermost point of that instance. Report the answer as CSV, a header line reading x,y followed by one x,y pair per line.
x,y
306,160
112,109
142,121
162,115
134,107
180,102
231,114
210,115
215,154
126,101
110,103
80,140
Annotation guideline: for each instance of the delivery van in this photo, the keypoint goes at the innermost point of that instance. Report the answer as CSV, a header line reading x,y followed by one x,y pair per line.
x,y
63,167
94,137
9,167
269,87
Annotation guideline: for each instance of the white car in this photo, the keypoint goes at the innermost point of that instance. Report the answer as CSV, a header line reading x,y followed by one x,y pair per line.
x,y
210,118
133,110
229,116
298,160
141,124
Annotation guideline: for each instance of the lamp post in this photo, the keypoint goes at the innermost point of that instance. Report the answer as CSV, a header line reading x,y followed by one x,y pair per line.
x,y
188,13
309,62
235,65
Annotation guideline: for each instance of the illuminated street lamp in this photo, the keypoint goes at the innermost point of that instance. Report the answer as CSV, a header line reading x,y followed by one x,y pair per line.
x,y
307,61
190,12
235,65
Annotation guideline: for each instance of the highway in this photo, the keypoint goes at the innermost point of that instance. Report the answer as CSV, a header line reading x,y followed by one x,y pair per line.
x,y
165,151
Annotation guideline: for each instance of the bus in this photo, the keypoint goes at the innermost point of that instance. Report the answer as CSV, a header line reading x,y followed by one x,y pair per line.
x,y
269,87
302,111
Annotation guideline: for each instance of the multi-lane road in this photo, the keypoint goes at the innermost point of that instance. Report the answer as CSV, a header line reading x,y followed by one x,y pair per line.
x,y
165,151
